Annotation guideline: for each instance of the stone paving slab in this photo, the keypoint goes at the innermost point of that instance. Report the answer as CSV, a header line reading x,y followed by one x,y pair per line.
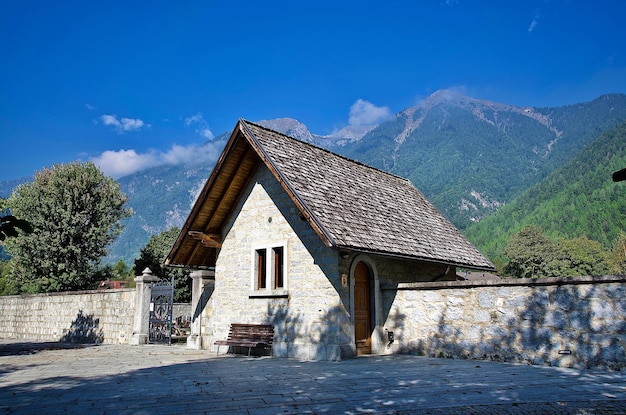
x,y
52,378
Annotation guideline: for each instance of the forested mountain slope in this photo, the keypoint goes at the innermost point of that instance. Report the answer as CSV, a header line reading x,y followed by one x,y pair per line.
x,y
470,157
577,199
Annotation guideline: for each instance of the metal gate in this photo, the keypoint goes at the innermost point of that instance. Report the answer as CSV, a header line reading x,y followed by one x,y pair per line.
x,y
161,310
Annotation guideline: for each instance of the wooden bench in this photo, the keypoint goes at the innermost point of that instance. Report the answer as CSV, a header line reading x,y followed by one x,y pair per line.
x,y
248,335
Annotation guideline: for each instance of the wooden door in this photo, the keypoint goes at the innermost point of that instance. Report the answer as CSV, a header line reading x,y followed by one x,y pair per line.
x,y
362,310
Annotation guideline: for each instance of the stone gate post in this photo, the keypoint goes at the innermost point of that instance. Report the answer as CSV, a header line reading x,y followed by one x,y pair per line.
x,y
203,284
142,307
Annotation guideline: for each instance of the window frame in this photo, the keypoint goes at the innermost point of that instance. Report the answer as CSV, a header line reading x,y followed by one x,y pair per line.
x,y
269,269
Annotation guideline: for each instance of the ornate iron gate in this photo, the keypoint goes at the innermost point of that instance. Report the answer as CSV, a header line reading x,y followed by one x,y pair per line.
x,y
161,310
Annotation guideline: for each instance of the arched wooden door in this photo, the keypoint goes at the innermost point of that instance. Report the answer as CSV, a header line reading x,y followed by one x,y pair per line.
x,y
362,310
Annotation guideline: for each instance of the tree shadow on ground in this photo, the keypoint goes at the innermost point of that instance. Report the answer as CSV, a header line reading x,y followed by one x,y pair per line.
x,y
378,384
17,348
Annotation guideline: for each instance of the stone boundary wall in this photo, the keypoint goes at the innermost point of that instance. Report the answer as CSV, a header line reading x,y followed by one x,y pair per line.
x,y
103,316
571,322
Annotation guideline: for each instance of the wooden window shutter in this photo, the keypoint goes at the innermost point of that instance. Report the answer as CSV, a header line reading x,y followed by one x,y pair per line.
x,y
279,281
261,269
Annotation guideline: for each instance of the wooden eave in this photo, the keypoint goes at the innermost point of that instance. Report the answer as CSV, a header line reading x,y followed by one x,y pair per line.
x,y
200,237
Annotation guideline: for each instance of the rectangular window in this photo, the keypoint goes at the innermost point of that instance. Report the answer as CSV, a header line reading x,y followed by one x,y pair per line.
x,y
269,269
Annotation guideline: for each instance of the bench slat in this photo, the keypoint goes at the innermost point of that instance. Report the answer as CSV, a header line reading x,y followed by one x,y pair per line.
x,y
248,335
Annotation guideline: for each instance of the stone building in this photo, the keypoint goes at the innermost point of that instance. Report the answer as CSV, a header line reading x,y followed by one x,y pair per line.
x,y
290,234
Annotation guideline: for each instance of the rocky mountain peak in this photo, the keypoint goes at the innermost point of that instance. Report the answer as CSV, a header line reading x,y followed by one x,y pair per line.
x,y
491,112
290,127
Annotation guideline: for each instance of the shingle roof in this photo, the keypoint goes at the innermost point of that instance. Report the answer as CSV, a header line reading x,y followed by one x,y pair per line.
x,y
353,206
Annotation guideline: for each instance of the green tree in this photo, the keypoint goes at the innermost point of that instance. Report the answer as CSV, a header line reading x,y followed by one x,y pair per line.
x,y
618,255
582,256
153,256
75,212
7,287
118,271
121,270
531,254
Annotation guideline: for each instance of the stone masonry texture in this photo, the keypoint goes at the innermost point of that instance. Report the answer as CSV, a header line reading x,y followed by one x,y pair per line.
x,y
81,317
576,322
310,314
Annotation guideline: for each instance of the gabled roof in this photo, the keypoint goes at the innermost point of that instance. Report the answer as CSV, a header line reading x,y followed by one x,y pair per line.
x,y
351,206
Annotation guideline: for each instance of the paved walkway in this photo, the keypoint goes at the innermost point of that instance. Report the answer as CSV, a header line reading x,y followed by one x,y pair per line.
x,y
50,378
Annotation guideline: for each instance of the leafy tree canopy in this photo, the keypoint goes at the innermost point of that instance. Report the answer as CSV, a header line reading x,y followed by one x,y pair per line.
x,y
118,271
75,212
618,255
153,256
533,255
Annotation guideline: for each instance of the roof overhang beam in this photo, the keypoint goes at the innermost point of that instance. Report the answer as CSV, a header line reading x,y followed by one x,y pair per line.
x,y
212,240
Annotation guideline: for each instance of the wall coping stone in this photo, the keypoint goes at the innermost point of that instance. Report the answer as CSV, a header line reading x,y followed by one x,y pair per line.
x,y
60,293
505,282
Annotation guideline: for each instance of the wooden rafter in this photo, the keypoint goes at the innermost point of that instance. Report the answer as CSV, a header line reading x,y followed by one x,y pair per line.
x,y
208,241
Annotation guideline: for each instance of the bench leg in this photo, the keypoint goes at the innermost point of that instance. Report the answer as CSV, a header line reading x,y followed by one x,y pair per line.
x,y
218,350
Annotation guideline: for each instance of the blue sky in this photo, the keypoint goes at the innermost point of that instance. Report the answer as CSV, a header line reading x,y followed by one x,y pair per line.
x,y
133,84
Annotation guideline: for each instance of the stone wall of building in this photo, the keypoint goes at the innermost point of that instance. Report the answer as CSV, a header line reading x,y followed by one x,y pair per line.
x,y
104,316
398,270
572,322
310,314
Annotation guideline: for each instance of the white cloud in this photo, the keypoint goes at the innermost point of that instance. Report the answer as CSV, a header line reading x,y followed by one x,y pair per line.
x,y
110,120
194,119
535,21
90,107
365,113
202,127
123,125
130,124
206,133
124,162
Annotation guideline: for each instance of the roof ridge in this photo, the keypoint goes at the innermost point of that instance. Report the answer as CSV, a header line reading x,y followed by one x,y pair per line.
x,y
326,151
310,214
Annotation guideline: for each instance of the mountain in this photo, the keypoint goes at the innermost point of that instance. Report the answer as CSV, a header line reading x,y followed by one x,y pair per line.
x,y
161,197
291,127
7,186
577,199
337,139
470,157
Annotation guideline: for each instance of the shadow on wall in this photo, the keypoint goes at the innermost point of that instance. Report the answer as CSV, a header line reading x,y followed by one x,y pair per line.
x,y
567,326
205,296
326,337
394,321
84,329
